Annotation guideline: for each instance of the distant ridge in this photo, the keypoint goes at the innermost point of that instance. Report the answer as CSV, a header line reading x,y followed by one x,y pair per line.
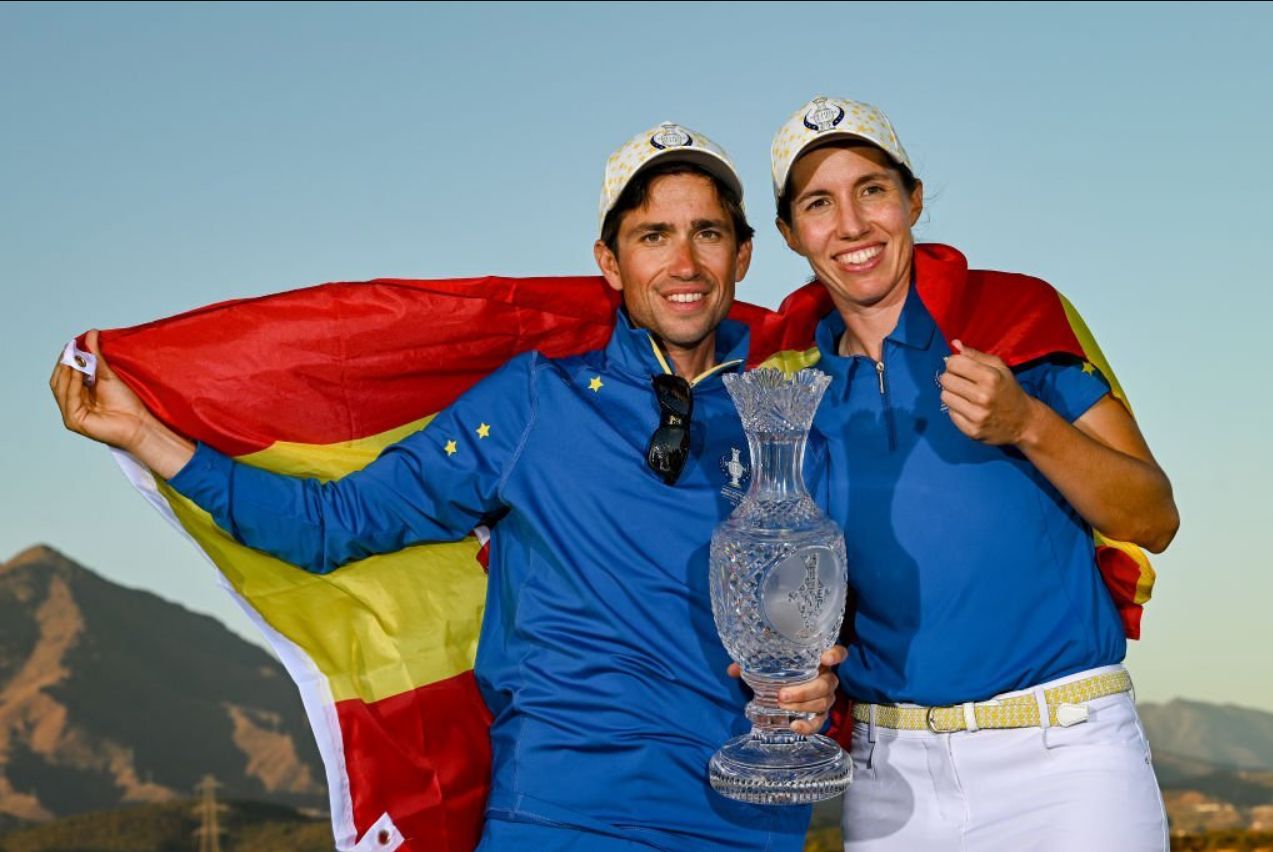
x,y
112,696
1222,735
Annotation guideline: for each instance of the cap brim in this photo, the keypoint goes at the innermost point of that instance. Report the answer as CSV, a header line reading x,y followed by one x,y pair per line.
x,y
705,160
824,139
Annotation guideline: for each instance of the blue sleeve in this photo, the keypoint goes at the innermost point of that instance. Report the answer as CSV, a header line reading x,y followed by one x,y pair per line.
x,y
1068,385
434,485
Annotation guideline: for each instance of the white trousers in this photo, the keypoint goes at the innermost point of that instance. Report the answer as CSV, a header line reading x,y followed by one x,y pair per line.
x,y
1088,787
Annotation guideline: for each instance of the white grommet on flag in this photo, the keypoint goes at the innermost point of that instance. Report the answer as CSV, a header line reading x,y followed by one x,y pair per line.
x,y
383,836
79,360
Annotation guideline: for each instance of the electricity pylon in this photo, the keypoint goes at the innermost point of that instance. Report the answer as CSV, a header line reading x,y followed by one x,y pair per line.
x,y
209,830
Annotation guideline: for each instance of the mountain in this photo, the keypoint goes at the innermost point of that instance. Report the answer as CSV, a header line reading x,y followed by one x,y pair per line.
x,y
112,696
1214,763
1219,734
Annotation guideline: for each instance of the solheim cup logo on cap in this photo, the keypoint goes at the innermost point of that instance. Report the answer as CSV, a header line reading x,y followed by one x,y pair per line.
x,y
823,116
732,466
671,136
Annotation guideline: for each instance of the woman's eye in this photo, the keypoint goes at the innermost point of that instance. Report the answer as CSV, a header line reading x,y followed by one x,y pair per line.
x,y
816,203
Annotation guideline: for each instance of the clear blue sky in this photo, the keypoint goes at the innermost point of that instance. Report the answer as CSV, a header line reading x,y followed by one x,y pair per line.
x,y
154,158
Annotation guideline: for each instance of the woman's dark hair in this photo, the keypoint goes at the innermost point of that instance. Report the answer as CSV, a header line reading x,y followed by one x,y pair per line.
x,y
909,181
635,193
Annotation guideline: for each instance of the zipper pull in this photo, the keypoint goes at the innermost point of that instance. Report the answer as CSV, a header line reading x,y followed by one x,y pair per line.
x,y
879,371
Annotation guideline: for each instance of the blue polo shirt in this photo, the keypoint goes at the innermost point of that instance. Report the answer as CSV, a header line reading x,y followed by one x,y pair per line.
x,y
598,655
973,574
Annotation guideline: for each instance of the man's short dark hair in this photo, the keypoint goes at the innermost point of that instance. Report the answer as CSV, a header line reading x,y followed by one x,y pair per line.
x,y
638,189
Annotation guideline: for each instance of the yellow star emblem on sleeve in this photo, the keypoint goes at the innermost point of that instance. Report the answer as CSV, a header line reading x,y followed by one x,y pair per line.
x,y
1088,368
483,430
595,385
450,448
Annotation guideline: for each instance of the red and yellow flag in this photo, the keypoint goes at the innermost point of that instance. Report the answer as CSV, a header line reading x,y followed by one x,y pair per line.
x,y
317,381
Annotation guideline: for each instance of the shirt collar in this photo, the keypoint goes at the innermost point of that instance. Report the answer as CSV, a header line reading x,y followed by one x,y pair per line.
x,y
914,330
827,338
633,351
915,326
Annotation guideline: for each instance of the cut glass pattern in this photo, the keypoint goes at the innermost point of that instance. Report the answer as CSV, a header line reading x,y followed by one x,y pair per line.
x,y
778,583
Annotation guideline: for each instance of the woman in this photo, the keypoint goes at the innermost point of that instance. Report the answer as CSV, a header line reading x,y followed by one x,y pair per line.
x,y
968,486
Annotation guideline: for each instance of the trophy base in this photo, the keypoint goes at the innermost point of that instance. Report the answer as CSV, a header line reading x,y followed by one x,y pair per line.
x,y
781,769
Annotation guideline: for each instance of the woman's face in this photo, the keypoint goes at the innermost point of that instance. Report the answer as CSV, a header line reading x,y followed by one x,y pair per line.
x,y
851,218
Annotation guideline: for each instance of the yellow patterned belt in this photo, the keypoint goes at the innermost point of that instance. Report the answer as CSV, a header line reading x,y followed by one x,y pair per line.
x,y
1065,705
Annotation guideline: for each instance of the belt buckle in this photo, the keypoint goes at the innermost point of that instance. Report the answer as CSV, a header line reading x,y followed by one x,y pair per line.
x,y
929,721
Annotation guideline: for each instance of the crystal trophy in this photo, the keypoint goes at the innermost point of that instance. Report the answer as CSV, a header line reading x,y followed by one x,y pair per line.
x,y
778,583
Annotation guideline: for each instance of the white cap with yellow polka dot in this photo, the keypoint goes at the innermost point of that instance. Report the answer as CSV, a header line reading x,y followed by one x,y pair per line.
x,y
823,119
668,142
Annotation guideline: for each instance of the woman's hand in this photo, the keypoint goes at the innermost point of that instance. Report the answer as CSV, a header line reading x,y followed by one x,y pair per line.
x,y
983,397
1100,463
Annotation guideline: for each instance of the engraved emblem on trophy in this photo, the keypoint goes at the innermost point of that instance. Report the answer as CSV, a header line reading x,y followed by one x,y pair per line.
x,y
778,584
735,468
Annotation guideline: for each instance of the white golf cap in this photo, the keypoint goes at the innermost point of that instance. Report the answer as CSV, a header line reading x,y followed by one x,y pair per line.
x,y
824,119
667,143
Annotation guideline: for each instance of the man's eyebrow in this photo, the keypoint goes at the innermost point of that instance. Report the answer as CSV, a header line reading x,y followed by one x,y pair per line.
x,y
643,228
653,228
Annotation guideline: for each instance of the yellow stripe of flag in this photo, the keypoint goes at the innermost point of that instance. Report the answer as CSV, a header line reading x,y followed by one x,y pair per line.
x,y
375,628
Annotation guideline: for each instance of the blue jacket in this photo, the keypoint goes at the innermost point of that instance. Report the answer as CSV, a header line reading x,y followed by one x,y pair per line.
x,y
598,656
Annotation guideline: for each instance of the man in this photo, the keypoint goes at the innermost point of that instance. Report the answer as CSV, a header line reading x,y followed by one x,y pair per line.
x,y
598,656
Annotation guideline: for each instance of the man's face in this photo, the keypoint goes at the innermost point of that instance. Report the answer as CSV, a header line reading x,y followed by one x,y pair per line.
x,y
851,218
678,260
